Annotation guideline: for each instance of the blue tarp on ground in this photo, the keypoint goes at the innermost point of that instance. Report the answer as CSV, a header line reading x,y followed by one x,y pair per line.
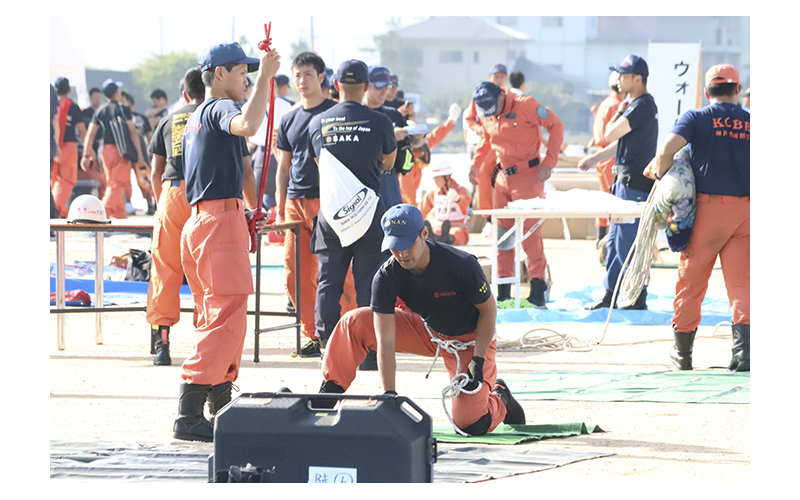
x,y
120,292
567,306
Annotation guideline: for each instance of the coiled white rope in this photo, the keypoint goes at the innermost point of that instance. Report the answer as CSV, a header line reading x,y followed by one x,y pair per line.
x,y
460,380
547,343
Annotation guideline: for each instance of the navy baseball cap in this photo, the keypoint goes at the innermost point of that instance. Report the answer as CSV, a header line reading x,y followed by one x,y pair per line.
x,y
380,77
394,79
221,54
486,96
110,86
401,225
352,71
498,68
632,64
327,82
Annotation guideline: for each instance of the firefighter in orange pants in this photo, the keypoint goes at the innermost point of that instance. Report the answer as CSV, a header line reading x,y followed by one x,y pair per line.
x,y
297,194
116,168
421,145
719,135
64,173
448,302
215,239
166,270
511,129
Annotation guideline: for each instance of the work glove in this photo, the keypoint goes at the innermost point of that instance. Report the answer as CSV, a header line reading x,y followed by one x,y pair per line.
x,y
454,113
453,195
475,372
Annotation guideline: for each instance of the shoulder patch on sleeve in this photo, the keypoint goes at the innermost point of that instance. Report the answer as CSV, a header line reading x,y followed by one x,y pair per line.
x,y
542,112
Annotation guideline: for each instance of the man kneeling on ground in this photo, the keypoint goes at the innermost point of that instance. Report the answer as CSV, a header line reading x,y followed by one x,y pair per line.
x,y
447,301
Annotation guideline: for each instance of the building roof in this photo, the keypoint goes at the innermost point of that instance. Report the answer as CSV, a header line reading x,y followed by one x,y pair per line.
x,y
460,28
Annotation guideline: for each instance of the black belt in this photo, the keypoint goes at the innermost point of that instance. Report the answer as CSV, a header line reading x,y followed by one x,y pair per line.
x,y
511,170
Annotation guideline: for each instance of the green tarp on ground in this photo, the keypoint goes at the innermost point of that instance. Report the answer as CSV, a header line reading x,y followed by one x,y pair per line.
x,y
515,434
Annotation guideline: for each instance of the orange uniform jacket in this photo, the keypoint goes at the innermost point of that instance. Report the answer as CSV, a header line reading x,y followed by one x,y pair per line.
x,y
514,134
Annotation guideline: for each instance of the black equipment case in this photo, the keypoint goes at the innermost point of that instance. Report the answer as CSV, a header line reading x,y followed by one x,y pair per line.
x,y
302,438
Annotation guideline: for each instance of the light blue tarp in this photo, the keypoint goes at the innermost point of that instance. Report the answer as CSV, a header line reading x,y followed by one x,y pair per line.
x,y
567,306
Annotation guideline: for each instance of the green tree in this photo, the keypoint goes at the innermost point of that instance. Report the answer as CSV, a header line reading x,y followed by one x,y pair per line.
x,y
161,72
298,47
398,55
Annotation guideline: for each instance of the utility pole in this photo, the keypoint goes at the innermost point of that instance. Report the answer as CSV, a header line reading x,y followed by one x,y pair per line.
x,y
161,35
312,33
233,28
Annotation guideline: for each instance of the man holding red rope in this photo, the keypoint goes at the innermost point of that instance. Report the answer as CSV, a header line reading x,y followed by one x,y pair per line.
x,y
214,243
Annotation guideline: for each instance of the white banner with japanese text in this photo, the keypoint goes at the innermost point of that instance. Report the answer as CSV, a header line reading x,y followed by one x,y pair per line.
x,y
674,82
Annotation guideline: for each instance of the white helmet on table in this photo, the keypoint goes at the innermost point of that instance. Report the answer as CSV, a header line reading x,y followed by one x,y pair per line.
x,y
87,209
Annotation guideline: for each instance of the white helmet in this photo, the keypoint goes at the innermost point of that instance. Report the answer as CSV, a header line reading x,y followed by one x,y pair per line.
x,y
87,209
612,78
441,168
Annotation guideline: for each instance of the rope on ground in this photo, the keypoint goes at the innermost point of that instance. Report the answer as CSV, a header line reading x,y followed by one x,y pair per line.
x,y
545,343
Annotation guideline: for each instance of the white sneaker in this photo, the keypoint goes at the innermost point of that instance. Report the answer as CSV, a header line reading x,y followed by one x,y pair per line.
x,y
487,230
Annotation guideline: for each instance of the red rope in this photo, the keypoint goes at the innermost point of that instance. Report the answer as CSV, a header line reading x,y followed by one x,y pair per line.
x,y
265,46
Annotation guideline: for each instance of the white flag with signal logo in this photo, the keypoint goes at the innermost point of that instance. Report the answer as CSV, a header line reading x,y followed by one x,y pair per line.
x,y
347,205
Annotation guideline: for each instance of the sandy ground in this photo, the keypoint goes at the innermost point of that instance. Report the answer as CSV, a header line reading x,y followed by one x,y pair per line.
x,y
112,392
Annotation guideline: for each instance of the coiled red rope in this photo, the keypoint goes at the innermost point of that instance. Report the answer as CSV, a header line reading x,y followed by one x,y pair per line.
x,y
265,46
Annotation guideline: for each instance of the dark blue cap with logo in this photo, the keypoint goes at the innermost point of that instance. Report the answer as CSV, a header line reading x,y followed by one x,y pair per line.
x,y
485,97
401,225
498,68
221,54
62,85
327,82
632,64
352,71
380,77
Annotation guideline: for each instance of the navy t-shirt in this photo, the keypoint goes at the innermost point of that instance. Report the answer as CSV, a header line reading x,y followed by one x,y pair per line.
x,y
108,113
444,295
357,136
293,137
719,143
167,141
212,156
636,148
73,118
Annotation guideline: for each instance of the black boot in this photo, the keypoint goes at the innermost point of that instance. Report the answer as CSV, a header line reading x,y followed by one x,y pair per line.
x,y
446,237
740,360
681,352
218,396
503,292
514,412
640,304
191,424
605,301
160,345
328,387
370,363
536,295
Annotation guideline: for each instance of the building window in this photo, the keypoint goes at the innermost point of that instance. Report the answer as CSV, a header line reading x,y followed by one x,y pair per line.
x,y
510,21
451,56
552,21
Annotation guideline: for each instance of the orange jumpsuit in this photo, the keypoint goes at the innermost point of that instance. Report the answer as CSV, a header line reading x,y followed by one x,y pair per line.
x,y
409,183
513,135
485,168
437,207
117,172
166,276
354,335
64,173
605,112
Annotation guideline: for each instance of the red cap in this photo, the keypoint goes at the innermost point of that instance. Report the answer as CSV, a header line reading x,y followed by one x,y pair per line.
x,y
722,73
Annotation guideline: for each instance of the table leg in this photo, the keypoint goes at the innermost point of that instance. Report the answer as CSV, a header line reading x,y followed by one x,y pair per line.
x,y
258,300
60,286
98,286
517,258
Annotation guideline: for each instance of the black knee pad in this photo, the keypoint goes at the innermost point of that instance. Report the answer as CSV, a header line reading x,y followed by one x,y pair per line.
x,y
480,426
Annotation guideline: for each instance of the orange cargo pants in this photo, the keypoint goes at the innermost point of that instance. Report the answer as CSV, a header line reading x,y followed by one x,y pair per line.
x,y
522,185
117,172
409,184
166,271
721,227
303,211
354,335
64,176
214,253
